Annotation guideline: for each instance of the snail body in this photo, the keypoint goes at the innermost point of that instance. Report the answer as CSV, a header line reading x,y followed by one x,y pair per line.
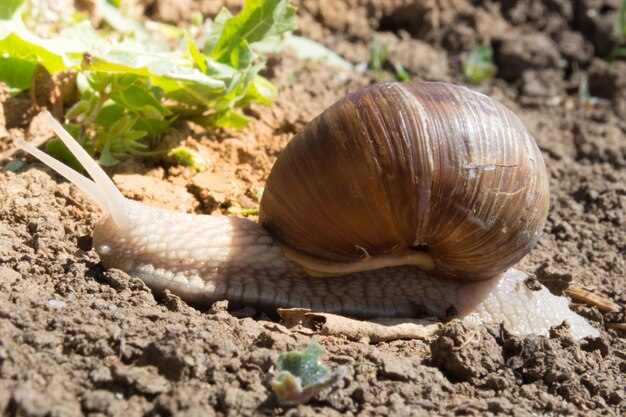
x,y
402,199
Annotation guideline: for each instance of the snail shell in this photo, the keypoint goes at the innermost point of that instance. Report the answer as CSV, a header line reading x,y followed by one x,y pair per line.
x,y
423,167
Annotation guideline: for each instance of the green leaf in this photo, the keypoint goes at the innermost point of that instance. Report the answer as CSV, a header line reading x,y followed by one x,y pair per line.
x,y
133,135
620,27
80,107
616,53
13,166
109,114
99,82
260,91
74,131
301,375
122,125
57,148
258,19
186,157
198,58
243,211
106,159
237,90
478,65
141,101
216,30
126,80
153,128
17,74
160,67
9,8
224,118
401,73
22,51
378,55
305,365
19,58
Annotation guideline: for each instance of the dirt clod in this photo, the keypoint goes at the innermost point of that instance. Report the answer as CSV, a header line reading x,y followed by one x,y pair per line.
x,y
466,353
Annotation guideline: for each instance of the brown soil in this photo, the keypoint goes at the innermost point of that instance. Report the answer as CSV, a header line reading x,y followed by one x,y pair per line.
x,y
78,340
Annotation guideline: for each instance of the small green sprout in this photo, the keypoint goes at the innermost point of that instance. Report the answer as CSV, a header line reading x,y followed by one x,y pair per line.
x,y
186,157
378,55
620,32
13,166
478,64
259,193
620,27
401,73
236,209
587,101
380,63
301,375
616,53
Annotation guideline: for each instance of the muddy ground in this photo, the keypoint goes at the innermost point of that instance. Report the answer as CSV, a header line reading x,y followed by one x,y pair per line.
x,y
78,340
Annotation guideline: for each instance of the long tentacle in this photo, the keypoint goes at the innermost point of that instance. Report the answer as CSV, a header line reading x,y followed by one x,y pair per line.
x,y
102,189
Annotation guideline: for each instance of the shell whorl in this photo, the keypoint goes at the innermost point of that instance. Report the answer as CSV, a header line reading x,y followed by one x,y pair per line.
x,y
400,166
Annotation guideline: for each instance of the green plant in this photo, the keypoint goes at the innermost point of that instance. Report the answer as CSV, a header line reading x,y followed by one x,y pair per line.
x,y
133,88
379,62
616,53
301,375
620,32
186,157
378,55
401,73
620,27
478,64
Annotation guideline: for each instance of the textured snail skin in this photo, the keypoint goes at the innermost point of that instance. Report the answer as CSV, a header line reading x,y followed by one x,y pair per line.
x,y
204,258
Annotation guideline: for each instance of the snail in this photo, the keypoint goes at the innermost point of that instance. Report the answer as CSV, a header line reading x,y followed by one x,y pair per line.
x,y
400,200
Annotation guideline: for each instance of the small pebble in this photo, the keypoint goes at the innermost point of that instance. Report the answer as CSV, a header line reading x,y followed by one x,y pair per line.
x,y
56,304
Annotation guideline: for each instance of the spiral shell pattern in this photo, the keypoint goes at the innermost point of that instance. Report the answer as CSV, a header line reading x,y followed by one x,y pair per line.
x,y
432,167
